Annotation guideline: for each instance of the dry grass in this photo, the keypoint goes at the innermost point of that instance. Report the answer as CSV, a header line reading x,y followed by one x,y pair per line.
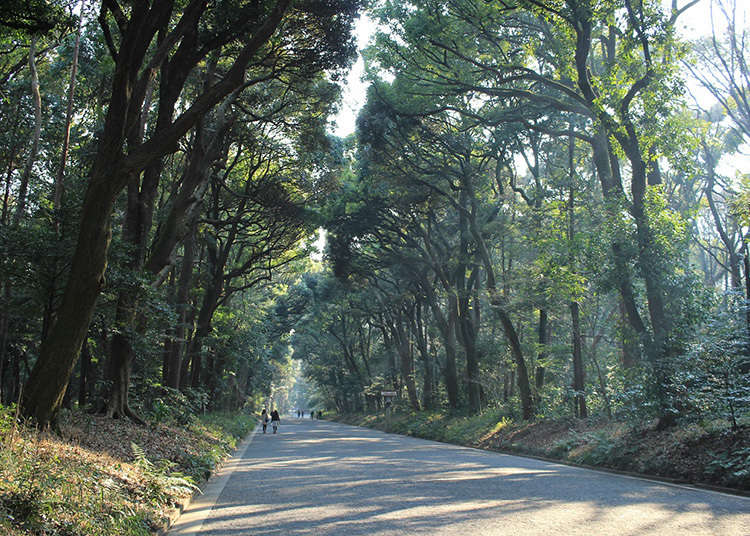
x,y
88,481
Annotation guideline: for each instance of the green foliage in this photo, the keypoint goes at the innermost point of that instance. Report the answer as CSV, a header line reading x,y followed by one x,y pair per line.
x,y
601,449
167,405
52,486
731,468
42,493
226,429
33,16
233,426
713,373
161,483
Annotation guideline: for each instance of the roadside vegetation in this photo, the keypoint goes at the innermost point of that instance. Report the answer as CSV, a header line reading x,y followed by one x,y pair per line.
x,y
706,453
105,477
534,214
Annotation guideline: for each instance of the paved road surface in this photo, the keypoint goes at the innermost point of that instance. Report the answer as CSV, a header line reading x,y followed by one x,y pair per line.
x,y
318,477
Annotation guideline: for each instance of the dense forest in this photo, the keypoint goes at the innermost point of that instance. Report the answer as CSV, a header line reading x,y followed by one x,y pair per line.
x,y
544,208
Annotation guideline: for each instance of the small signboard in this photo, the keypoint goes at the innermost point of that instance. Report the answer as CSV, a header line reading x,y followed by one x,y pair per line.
x,y
388,393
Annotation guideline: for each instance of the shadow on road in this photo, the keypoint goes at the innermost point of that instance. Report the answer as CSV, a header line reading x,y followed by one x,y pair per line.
x,y
324,478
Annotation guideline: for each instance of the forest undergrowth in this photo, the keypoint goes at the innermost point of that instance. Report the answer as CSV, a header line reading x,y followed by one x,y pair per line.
x,y
708,453
100,476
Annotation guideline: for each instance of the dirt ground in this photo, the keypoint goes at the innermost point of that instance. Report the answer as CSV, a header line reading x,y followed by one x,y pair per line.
x,y
713,455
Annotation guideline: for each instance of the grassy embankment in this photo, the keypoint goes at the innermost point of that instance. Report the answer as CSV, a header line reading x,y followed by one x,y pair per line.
x,y
102,477
707,453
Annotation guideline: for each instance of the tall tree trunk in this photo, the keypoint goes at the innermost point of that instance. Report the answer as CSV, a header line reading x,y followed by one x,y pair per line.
x,y
498,306
121,359
542,333
406,358
60,176
37,99
579,372
59,351
446,325
83,385
420,333
466,331
138,217
177,347
110,172
203,329
621,127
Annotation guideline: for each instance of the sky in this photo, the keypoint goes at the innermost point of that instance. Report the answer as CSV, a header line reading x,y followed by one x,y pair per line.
x,y
355,89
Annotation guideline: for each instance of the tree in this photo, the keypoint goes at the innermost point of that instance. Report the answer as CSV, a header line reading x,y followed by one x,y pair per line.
x,y
182,39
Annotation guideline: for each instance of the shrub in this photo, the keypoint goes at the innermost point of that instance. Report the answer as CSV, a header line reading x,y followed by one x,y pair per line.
x,y
731,468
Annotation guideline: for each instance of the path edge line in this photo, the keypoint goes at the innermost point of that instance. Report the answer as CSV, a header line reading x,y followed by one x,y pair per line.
x,y
674,482
209,494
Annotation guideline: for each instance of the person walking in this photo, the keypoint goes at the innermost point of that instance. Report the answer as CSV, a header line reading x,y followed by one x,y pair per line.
x,y
264,419
275,420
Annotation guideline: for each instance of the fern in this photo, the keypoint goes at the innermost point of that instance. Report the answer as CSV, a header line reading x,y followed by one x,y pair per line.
x,y
161,483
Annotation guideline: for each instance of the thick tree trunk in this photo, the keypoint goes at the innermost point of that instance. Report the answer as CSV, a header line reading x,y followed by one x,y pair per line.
x,y
59,351
467,336
466,331
210,302
121,359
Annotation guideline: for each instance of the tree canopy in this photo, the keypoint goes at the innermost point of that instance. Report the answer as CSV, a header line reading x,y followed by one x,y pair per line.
x,y
533,213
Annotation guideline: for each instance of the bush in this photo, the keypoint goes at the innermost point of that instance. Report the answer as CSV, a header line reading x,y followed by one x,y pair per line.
x,y
162,404
714,372
731,468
